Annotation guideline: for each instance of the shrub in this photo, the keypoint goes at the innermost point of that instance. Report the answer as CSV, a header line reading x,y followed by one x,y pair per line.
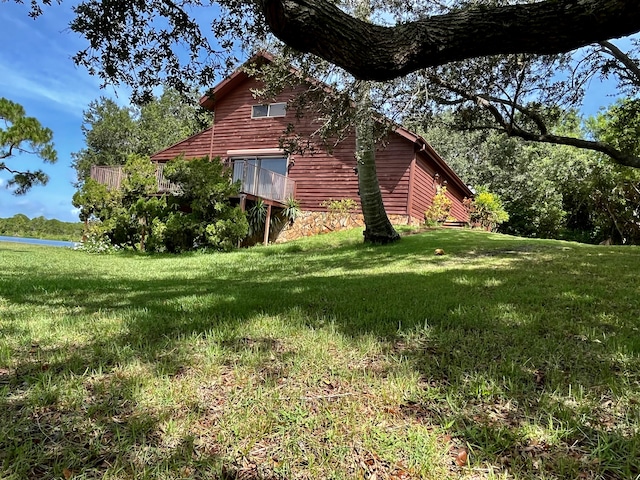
x,y
200,216
257,217
224,234
291,211
340,207
440,208
96,242
211,222
486,209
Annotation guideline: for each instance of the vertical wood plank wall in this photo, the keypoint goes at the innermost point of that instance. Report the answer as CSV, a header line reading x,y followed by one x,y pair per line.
x,y
319,176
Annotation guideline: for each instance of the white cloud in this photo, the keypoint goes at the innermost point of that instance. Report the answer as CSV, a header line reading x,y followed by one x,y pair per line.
x,y
40,67
70,93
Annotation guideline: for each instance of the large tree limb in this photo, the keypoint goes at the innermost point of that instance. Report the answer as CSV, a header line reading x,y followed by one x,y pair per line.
x,y
632,67
616,155
543,136
375,52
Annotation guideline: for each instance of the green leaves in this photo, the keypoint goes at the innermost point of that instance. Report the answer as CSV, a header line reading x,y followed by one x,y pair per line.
x,y
112,132
619,125
143,44
204,216
440,208
486,208
140,178
23,135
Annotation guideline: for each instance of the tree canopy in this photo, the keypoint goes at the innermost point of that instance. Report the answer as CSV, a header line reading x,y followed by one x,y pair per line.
x,y
525,95
113,132
145,44
549,191
466,30
20,134
134,41
447,42
39,227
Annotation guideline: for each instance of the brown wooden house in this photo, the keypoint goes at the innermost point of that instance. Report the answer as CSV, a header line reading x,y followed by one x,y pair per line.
x,y
246,133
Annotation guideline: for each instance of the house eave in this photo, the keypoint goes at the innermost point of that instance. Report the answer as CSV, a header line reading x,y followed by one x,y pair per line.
x,y
208,100
259,152
424,146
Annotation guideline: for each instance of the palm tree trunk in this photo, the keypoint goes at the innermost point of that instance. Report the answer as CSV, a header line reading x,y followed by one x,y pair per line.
x,y
378,228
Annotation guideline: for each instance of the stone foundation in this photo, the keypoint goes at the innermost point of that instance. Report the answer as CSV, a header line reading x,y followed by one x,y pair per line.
x,y
317,223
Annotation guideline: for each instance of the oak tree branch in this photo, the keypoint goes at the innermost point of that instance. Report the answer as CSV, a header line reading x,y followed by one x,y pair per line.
x,y
374,52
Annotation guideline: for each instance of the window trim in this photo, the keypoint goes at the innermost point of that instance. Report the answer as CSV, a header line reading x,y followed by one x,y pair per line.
x,y
268,115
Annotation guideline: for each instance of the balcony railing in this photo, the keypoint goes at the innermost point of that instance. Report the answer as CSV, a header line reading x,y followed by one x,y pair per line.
x,y
112,177
253,180
261,182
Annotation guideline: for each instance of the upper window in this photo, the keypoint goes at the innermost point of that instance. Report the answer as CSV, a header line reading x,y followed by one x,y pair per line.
x,y
269,110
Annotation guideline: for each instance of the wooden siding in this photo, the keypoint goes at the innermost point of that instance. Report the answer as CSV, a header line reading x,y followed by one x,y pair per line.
x,y
234,127
196,146
458,210
320,176
425,188
393,165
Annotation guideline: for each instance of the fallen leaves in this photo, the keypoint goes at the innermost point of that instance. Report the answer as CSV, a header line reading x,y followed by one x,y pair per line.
x,y
539,377
373,467
462,458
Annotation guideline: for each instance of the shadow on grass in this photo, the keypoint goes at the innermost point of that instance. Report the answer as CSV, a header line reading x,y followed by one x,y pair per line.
x,y
505,335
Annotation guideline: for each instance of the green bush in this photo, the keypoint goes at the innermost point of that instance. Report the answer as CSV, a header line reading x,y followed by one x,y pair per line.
x,y
440,208
291,210
179,233
95,241
201,216
257,217
212,222
224,234
486,209
341,207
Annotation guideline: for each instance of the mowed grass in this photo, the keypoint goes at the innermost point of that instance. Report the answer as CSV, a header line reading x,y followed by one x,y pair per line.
x,y
323,358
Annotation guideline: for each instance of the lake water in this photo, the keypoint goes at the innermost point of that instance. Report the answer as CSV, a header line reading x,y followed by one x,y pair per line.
x,y
38,241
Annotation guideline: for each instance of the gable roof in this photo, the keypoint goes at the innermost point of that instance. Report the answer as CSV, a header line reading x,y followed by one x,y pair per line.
x,y
234,80
424,146
227,85
208,100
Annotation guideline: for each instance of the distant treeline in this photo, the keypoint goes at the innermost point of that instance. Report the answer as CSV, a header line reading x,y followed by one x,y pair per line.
x,y
21,226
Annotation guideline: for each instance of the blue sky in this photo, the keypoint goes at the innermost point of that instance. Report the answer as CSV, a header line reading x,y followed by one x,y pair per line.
x,y
36,71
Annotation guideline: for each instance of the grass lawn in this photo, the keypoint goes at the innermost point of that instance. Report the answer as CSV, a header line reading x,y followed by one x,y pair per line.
x,y
323,358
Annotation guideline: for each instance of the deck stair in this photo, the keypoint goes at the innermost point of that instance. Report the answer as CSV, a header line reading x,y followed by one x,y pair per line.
x,y
454,224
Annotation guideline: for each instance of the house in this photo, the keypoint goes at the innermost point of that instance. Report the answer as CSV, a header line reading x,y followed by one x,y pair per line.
x,y
246,133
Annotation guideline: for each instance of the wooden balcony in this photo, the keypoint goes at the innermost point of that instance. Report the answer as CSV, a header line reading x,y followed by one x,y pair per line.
x,y
112,177
254,181
261,182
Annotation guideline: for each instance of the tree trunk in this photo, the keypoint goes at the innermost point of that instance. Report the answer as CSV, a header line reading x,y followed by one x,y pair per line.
x,y
378,228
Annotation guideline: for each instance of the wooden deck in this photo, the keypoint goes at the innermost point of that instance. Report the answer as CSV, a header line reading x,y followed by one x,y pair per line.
x,y
262,183
254,181
112,177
